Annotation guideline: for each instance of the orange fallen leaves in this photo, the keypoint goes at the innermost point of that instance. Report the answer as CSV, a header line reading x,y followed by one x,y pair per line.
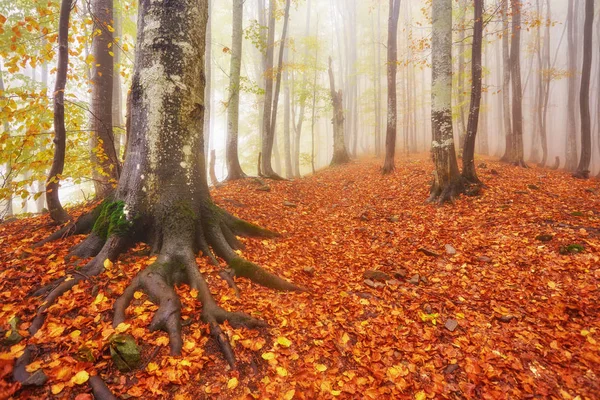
x,y
529,319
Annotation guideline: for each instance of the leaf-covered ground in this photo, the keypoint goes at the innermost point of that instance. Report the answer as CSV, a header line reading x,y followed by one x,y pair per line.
x,y
507,316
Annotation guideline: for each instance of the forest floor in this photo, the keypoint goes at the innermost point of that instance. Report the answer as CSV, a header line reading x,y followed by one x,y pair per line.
x,y
507,316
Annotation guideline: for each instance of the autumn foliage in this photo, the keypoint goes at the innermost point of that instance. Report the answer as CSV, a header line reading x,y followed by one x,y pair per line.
x,y
484,299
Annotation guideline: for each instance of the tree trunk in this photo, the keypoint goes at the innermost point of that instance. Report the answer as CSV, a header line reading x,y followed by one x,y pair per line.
x,y
105,162
117,99
287,148
234,169
392,113
162,197
208,94
468,160
571,139
269,137
546,79
584,94
314,105
57,212
517,92
340,154
376,86
447,182
506,65
462,129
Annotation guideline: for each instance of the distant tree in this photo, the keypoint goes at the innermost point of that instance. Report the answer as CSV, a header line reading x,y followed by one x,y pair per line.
x,y
469,172
162,197
584,94
234,169
571,138
506,106
340,153
517,156
447,181
57,212
105,161
392,67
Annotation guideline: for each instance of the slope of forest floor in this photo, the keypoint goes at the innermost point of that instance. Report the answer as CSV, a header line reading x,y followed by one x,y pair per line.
x,y
511,314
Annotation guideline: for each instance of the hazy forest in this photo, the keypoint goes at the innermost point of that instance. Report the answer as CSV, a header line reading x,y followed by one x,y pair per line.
x,y
300,199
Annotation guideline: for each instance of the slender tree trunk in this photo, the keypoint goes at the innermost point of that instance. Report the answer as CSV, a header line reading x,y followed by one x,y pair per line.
x,y
314,105
546,79
340,154
378,76
539,91
286,125
517,92
462,129
268,139
584,94
376,86
392,66
234,169
57,212
447,183
571,138
506,66
8,208
468,160
105,162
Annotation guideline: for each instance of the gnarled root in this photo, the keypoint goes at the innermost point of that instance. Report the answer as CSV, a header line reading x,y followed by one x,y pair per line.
x,y
100,390
111,250
448,192
157,281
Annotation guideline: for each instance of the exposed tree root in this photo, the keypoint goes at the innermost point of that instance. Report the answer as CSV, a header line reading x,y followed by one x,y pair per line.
x,y
585,174
82,225
215,234
100,390
447,193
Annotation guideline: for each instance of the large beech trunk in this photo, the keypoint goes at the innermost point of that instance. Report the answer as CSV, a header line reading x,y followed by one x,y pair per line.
x,y
57,212
340,153
105,161
447,181
162,197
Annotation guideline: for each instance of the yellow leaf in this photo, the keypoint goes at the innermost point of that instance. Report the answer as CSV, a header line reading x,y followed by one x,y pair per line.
x,y
34,366
232,384
585,332
138,295
281,371
289,395
75,334
110,28
122,327
56,389
321,367
283,341
194,293
108,264
89,60
81,377
162,341
345,338
268,356
55,330
420,395
551,285
99,298
336,392
152,367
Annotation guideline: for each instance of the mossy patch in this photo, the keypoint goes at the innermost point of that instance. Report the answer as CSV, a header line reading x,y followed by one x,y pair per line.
x,y
571,249
112,220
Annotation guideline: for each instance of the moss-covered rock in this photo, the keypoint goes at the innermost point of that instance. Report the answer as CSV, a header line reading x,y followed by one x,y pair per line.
x,y
125,352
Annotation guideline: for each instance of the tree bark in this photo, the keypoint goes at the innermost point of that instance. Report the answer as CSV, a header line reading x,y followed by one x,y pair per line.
x,y
392,66
517,92
468,160
234,169
584,94
506,105
287,148
162,197
340,154
105,162
117,99
208,93
462,129
447,182
571,138
57,212
270,123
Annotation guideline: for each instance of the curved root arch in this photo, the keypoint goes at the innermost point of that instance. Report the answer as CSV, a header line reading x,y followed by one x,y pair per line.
x,y
215,236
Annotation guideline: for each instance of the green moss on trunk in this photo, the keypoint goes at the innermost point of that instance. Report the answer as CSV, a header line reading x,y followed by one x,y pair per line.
x,y
112,220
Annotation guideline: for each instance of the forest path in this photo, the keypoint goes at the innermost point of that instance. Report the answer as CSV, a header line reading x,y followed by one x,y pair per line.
x,y
512,313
